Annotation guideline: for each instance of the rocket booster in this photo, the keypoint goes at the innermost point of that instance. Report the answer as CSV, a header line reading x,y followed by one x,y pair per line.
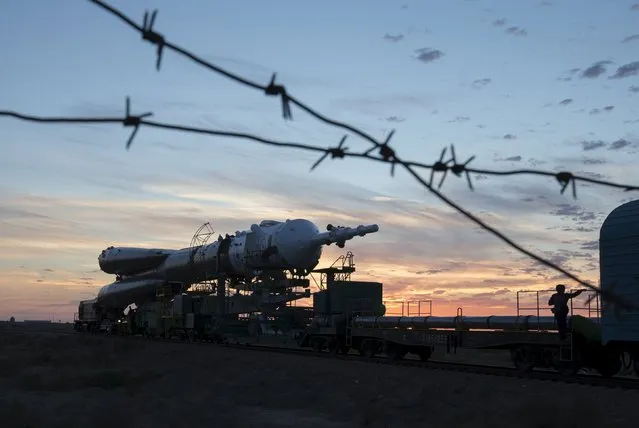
x,y
270,245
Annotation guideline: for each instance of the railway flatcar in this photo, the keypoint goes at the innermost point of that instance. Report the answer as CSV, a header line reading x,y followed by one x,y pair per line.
x,y
602,341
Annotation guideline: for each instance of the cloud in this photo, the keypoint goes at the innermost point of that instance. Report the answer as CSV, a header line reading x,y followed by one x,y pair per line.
x,y
619,144
459,119
395,119
634,6
480,83
630,38
510,137
516,31
566,101
428,54
634,89
499,22
590,161
592,145
626,70
513,158
393,39
595,70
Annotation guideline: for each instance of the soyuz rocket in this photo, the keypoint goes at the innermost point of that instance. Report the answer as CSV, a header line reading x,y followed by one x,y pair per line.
x,y
294,245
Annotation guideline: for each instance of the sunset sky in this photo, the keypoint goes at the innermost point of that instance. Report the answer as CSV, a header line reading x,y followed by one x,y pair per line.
x,y
520,84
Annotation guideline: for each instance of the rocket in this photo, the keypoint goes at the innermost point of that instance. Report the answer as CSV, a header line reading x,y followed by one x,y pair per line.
x,y
294,245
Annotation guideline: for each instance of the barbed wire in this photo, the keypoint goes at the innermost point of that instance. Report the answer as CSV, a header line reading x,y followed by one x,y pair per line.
x,y
384,154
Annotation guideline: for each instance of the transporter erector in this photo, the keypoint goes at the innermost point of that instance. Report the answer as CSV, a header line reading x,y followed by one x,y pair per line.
x,y
270,248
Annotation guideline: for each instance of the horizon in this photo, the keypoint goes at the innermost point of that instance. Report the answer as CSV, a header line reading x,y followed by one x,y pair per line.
x,y
540,84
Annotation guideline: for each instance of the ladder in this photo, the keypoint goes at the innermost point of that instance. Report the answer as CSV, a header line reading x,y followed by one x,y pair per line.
x,y
164,293
566,350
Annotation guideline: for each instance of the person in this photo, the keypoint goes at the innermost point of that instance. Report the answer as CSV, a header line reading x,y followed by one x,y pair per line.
x,y
559,303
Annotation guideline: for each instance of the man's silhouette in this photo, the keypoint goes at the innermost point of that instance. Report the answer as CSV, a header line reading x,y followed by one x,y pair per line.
x,y
559,302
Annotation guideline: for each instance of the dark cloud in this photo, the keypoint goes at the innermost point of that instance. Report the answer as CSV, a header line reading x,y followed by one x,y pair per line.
x,y
509,137
566,101
630,38
576,213
513,158
480,83
634,6
634,89
590,161
430,271
428,54
609,108
592,145
545,3
626,70
595,111
619,144
595,70
590,245
395,119
392,38
460,119
516,31
499,22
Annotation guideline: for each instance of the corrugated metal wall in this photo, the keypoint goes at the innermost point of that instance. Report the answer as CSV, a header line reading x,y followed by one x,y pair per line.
x,y
619,270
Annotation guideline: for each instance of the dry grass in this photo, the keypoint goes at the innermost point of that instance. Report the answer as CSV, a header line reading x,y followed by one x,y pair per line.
x,y
56,380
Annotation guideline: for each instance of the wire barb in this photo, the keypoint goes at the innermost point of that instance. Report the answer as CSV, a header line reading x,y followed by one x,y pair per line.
x,y
565,178
386,153
335,152
153,37
279,90
134,121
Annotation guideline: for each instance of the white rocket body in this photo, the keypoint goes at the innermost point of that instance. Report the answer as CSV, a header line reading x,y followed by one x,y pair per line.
x,y
271,245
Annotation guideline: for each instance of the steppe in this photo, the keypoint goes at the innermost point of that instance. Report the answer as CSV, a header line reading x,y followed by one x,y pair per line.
x,y
60,379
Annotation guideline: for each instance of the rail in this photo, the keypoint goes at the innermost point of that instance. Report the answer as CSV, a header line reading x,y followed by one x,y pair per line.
x,y
412,308
591,309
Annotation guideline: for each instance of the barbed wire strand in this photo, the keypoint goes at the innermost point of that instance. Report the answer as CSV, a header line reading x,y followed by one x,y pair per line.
x,y
386,153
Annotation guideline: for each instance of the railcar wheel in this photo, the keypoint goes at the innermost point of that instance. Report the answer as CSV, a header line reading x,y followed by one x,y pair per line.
x,y
523,359
367,349
425,353
609,364
316,345
394,351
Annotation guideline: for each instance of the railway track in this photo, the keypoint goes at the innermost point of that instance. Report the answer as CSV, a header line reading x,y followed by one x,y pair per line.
x,y
548,376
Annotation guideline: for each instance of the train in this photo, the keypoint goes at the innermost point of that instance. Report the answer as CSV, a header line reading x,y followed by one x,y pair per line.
x,y
350,316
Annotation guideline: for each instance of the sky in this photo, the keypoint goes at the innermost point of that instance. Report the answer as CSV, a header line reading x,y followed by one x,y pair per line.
x,y
550,85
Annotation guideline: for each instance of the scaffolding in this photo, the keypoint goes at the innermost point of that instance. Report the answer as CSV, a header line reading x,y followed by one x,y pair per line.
x,y
340,270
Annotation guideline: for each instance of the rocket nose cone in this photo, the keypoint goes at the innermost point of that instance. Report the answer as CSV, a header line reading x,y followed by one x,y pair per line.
x,y
294,243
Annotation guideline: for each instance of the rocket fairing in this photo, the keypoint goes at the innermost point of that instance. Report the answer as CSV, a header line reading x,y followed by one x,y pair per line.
x,y
271,245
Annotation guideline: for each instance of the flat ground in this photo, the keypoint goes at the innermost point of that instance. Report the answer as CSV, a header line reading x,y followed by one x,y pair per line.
x,y
59,380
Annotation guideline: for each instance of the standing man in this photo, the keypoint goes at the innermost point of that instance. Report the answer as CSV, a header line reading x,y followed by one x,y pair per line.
x,y
559,302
